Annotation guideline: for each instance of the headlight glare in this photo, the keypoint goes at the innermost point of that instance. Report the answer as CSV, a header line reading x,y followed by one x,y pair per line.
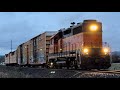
x,y
93,27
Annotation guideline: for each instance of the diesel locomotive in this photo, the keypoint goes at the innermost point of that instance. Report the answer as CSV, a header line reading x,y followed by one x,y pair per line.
x,y
80,46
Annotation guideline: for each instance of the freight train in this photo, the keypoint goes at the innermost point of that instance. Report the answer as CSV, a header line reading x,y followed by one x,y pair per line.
x,y
78,46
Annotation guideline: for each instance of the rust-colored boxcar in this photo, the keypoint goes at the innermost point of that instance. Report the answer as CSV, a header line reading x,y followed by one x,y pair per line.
x,y
7,59
11,58
26,52
20,54
40,47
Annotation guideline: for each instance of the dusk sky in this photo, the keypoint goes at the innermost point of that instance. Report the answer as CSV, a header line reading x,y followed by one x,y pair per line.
x,y
22,26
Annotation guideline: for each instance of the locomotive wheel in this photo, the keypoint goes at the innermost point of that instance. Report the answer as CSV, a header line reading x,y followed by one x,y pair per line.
x,y
83,68
60,67
68,64
72,64
76,67
89,69
67,67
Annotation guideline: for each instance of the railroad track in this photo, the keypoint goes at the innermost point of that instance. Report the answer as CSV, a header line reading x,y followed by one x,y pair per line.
x,y
96,74
83,71
110,71
104,71
80,71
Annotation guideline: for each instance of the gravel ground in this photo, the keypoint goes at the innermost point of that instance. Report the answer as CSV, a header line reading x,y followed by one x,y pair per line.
x,y
20,72
17,72
98,75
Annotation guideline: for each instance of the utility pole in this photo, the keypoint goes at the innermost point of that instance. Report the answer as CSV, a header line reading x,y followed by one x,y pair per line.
x,y
11,45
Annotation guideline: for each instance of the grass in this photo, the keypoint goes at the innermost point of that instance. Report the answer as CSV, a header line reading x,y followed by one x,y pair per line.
x,y
115,66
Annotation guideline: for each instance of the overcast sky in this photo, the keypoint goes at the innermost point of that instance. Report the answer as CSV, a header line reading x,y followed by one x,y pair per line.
x,y
22,26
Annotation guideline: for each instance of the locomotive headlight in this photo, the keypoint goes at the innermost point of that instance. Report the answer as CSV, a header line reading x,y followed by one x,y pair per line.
x,y
51,63
105,50
85,51
60,49
93,27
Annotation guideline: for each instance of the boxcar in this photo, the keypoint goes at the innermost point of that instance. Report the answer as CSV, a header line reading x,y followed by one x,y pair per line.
x,y
11,59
